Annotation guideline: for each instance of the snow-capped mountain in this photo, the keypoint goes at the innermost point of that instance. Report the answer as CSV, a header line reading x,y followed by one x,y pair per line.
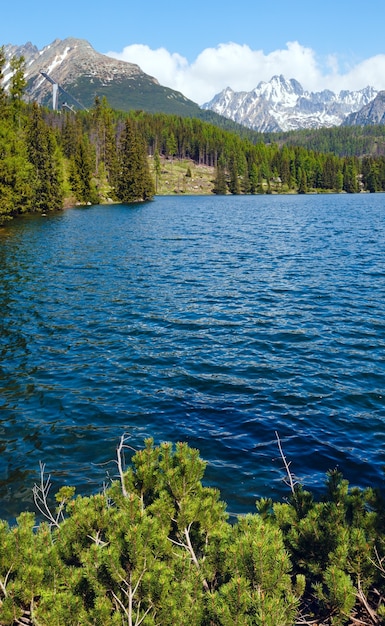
x,y
284,105
372,113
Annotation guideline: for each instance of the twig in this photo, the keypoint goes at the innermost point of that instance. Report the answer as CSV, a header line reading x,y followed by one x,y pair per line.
x,y
3,585
121,462
361,596
40,496
290,482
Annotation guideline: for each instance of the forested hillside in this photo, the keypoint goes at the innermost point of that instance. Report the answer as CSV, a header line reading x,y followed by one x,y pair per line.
x,y
50,159
353,141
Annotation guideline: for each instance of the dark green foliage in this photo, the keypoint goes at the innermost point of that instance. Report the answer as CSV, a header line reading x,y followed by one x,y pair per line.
x,y
42,154
103,137
81,172
342,141
2,90
134,182
156,548
18,81
16,174
220,183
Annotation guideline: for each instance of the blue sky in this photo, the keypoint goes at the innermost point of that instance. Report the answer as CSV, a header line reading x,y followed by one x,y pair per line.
x,y
202,46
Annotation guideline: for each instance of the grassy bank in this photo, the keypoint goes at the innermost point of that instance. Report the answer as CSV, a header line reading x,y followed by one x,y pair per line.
x,y
183,177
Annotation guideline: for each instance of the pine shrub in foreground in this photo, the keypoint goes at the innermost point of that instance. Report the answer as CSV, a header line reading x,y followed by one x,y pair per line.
x,y
156,548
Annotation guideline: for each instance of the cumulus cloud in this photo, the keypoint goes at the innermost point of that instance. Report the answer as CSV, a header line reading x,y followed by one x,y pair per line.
x,y
241,68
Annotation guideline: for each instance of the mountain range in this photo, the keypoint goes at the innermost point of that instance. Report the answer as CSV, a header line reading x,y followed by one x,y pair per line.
x,y
277,105
283,105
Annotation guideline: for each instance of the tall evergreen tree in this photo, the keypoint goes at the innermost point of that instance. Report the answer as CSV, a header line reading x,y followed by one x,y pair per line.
x,y
157,169
81,172
220,184
350,173
41,151
104,138
302,188
2,90
233,171
134,179
16,172
17,85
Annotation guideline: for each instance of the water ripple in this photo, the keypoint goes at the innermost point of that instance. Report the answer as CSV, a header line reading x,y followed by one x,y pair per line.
x,y
217,321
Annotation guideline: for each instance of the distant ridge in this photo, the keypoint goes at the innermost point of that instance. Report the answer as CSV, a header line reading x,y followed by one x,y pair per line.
x,y
283,105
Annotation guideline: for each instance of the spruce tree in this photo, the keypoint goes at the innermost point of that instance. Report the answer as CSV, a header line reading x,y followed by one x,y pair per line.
x,y
41,151
134,180
2,90
81,172
17,85
220,184
234,180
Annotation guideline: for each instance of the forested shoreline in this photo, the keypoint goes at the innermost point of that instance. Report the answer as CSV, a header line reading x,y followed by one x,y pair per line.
x,y
49,158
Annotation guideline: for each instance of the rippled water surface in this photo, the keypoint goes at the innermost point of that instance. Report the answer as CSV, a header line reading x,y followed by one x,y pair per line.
x,y
215,321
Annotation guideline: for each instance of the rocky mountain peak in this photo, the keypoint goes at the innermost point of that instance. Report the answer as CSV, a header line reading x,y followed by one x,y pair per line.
x,y
83,74
372,113
282,105
67,60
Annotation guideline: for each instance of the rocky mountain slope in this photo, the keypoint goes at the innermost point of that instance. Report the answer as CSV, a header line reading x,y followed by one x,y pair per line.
x,y
283,105
372,113
85,74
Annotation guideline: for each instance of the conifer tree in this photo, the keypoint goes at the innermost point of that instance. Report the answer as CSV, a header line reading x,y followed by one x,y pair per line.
x,y
302,188
220,183
134,180
233,171
17,85
350,173
2,90
157,169
104,138
81,172
41,150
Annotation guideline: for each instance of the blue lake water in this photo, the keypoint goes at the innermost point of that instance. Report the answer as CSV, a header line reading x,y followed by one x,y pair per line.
x,y
212,320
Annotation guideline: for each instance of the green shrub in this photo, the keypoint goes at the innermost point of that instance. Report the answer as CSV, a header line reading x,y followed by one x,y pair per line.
x,y
156,548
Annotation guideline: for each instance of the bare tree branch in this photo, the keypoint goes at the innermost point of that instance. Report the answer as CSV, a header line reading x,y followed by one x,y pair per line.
x,y
3,585
40,497
121,461
289,481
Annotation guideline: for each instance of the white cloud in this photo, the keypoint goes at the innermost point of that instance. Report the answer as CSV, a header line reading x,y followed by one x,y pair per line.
x,y
241,68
